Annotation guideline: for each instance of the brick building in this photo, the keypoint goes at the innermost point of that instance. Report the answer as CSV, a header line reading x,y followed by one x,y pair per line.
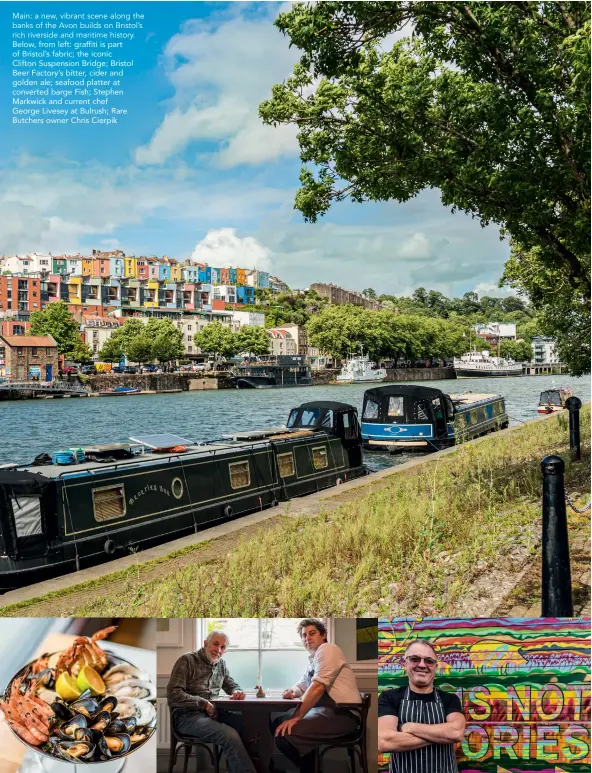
x,y
340,297
28,358
20,293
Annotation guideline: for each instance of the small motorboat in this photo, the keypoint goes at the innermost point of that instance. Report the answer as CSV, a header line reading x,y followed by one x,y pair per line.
x,y
119,391
553,400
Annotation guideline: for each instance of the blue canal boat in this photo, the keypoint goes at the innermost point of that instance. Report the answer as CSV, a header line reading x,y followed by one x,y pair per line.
x,y
419,418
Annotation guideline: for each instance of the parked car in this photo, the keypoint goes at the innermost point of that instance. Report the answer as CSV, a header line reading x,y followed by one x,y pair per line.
x,y
68,369
88,370
117,369
151,369
130,369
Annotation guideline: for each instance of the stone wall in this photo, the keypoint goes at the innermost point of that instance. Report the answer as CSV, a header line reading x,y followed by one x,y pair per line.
x,y
419,374
158,382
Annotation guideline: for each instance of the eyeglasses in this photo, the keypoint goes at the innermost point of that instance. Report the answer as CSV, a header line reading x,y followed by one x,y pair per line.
x,y
415,660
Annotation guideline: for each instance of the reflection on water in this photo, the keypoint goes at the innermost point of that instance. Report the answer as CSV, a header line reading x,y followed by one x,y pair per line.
x,y
30,427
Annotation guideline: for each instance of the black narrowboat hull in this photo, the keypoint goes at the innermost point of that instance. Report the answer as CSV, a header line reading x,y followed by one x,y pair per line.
x,y
162,499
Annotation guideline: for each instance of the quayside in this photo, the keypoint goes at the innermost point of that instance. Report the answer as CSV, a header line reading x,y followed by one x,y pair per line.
x,y
56,518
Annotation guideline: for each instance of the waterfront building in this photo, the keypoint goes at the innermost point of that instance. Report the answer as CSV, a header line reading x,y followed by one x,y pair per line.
x,y
241,277
95,330
277,286
20,293
340,297
153,268
176,272
116,267
28,358
253,318
544,351
74,265
215,278
282,341
189,272
224,293
493,332
14,327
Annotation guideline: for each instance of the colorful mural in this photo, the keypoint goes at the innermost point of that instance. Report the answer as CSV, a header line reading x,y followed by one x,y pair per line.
x,y
524,685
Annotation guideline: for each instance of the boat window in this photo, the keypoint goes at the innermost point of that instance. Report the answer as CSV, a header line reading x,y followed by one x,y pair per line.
x,y
328,420
27,515
240,474
396,407
309,418
449,408
550,398
370,409
292,418
109,502
286,465
319,457
420,411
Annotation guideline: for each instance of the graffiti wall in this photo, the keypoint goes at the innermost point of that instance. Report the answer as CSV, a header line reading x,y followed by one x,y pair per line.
x,y
524,685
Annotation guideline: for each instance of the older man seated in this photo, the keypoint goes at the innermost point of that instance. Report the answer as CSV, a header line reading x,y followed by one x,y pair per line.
x,y
327,682
196,680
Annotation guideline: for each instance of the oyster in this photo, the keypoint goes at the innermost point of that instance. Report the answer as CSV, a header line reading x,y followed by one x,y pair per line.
x,y
134,688
143,711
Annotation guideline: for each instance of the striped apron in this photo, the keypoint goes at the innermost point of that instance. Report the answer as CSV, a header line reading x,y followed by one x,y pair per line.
x,y
435,758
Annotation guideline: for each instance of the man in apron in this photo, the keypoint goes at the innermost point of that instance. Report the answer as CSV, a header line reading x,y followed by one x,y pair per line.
x,y
420,724
327,682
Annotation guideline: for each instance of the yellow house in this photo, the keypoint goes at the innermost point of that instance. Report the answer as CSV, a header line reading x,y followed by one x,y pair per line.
x,y
176,270
151,295
87,266
129,266
241,276
75,290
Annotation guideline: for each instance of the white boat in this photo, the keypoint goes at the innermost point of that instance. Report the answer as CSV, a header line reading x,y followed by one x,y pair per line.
x,y
360,370
483,364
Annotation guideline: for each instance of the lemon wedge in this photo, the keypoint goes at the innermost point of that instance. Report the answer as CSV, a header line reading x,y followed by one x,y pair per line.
x,y
89,679
66,687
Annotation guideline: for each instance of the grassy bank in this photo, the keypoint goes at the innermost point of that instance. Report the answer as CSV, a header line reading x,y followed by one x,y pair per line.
x,y
411,543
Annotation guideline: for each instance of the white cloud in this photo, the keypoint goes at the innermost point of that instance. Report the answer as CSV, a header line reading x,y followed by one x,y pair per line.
x,y
492,290
416,246
220,75
224,248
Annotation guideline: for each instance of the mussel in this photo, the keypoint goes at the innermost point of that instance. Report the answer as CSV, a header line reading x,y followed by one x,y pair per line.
x,y
100,721
86,706
121,725
114,745
69,728
74,750
61,710
108,704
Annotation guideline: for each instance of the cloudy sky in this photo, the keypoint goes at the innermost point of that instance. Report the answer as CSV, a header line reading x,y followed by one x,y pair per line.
x,y
194,172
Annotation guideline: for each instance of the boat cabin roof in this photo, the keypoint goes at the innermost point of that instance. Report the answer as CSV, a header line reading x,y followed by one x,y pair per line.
x,y
405,390
327,405
469,398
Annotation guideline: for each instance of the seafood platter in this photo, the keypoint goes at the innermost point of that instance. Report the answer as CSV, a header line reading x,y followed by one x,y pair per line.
x,y
83,705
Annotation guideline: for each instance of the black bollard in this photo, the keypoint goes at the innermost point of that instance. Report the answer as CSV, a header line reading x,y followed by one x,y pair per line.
x,y
573,405
556,590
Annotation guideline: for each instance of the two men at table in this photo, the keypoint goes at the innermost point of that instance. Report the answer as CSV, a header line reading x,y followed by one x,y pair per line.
x,y
198,677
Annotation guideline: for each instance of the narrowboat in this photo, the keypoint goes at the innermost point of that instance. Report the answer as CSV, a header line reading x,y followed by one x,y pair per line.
x,y
553,400
119,497
418,418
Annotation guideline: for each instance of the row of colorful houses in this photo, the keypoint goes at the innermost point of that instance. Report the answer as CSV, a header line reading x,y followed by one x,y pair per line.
x,y
117,265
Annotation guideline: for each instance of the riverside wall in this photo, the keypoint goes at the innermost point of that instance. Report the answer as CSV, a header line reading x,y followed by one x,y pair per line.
x,y
168,382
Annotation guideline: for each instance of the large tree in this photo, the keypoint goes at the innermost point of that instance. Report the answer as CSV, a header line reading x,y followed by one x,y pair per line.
x,y
253,339
487,102
57,321
217,339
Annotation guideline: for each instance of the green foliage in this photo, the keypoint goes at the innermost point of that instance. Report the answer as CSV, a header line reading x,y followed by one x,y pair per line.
x,y
112,350
166,338
344,330
217,339
139,349
253,340
55,320
521,351
157,339
487,102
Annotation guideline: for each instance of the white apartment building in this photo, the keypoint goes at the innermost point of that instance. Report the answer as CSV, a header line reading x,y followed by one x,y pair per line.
x,y
282,341
97,330
253,318
226,293
27,264
544,350
500,330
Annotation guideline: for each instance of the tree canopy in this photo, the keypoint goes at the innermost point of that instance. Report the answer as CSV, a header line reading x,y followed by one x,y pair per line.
x,y
217,339
488,102
253,340
57,321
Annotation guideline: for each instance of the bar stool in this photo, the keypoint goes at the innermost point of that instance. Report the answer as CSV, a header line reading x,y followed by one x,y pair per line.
x,y
355,742
186,743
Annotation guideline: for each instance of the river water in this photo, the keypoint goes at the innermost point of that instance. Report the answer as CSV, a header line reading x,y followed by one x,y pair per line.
x,y
30,427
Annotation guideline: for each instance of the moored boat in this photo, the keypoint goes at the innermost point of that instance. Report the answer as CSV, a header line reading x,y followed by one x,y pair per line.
x,y
401,417
553,400
55,519
285,371
360,370
120,391
482,364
